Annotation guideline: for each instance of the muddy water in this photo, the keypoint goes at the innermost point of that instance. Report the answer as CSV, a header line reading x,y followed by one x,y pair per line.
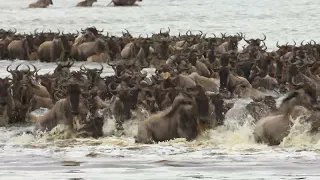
x,y
225,153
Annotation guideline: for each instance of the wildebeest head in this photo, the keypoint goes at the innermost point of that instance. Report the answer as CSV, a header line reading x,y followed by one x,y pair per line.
x,y
128,96
298,97
92,29
39,38
165,34
87,36
91,73
163,48
64,43
74,97
202,103
4,89
18,75
255,42
145,44
30,39
127,34
147,99
63,68
224,74
186,110
233,43
218,103
91,126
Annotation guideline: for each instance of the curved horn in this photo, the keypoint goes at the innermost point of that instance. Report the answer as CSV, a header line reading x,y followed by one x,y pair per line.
x,y
223,35
110,89
15,30
244,38
294,43
127,31
265,37
35,69
83,68
18,66
70,64
9,70
240,35
28,68
101,67
313,42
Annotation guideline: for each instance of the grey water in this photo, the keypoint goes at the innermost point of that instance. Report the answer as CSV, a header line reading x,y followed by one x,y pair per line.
x,y
227,152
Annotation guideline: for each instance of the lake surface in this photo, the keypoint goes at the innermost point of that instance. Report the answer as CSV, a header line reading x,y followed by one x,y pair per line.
x,y
228,152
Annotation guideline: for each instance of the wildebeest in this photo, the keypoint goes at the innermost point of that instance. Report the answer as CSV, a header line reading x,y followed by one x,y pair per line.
x,y
86,3
6,102
273,128
181,120
88,49
50,51
64,111
21,49
41,4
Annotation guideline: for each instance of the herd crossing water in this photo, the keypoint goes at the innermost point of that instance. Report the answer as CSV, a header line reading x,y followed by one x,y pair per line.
x,y
227,152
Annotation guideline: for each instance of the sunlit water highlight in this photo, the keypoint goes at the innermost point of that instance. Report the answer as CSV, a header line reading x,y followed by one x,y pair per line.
x,y
228,152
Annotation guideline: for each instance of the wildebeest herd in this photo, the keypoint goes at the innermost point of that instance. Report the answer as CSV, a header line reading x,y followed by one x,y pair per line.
x,y
84,3
194,76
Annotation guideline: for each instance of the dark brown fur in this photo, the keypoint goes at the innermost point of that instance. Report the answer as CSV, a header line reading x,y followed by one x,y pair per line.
x,y
41,4
86,3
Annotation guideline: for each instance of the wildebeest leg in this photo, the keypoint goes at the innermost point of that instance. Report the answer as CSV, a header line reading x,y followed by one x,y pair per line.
x,y
10,54
119,121
41,57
